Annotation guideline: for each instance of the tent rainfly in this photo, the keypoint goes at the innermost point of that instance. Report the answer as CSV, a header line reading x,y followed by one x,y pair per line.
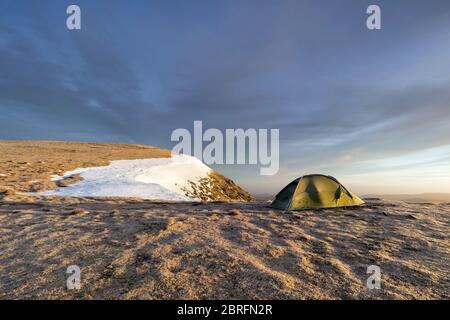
x,y
314,191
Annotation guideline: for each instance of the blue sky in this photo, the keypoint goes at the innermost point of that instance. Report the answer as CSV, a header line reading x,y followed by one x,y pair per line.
x,y
371,108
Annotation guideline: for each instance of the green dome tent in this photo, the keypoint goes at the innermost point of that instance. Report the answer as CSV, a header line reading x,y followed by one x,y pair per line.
x,y
314,191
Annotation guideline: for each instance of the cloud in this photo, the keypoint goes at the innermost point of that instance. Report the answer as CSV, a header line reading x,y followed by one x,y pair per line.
x,y
136,72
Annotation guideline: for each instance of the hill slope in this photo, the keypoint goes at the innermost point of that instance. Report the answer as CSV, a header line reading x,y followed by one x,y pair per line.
x,y
28,166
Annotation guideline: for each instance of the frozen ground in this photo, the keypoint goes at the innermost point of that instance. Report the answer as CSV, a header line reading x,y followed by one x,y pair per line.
x,y
141,249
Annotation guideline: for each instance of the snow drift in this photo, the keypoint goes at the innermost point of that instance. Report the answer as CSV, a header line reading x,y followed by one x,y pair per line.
x,y
155,179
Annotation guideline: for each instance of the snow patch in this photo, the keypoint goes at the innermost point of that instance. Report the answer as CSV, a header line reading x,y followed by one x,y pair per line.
x,y
155,179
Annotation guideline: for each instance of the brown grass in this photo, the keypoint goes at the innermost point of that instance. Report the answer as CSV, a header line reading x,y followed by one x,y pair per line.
x,y
219,188
6,191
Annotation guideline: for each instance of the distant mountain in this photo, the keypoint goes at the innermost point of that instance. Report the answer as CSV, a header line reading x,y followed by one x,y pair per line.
x,y
264,196
422,197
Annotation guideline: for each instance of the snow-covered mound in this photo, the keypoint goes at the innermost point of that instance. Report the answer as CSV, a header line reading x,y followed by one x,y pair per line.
x,y
159,178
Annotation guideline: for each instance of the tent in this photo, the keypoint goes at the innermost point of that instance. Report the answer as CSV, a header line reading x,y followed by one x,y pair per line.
x,y
314,191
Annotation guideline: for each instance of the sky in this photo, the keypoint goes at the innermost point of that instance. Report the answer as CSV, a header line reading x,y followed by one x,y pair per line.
x,y
370,107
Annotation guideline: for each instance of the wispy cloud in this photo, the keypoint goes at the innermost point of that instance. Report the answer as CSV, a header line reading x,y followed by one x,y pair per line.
x,y
347,101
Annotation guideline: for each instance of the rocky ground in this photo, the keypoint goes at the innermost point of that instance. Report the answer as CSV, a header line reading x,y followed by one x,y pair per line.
x,y
135,249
